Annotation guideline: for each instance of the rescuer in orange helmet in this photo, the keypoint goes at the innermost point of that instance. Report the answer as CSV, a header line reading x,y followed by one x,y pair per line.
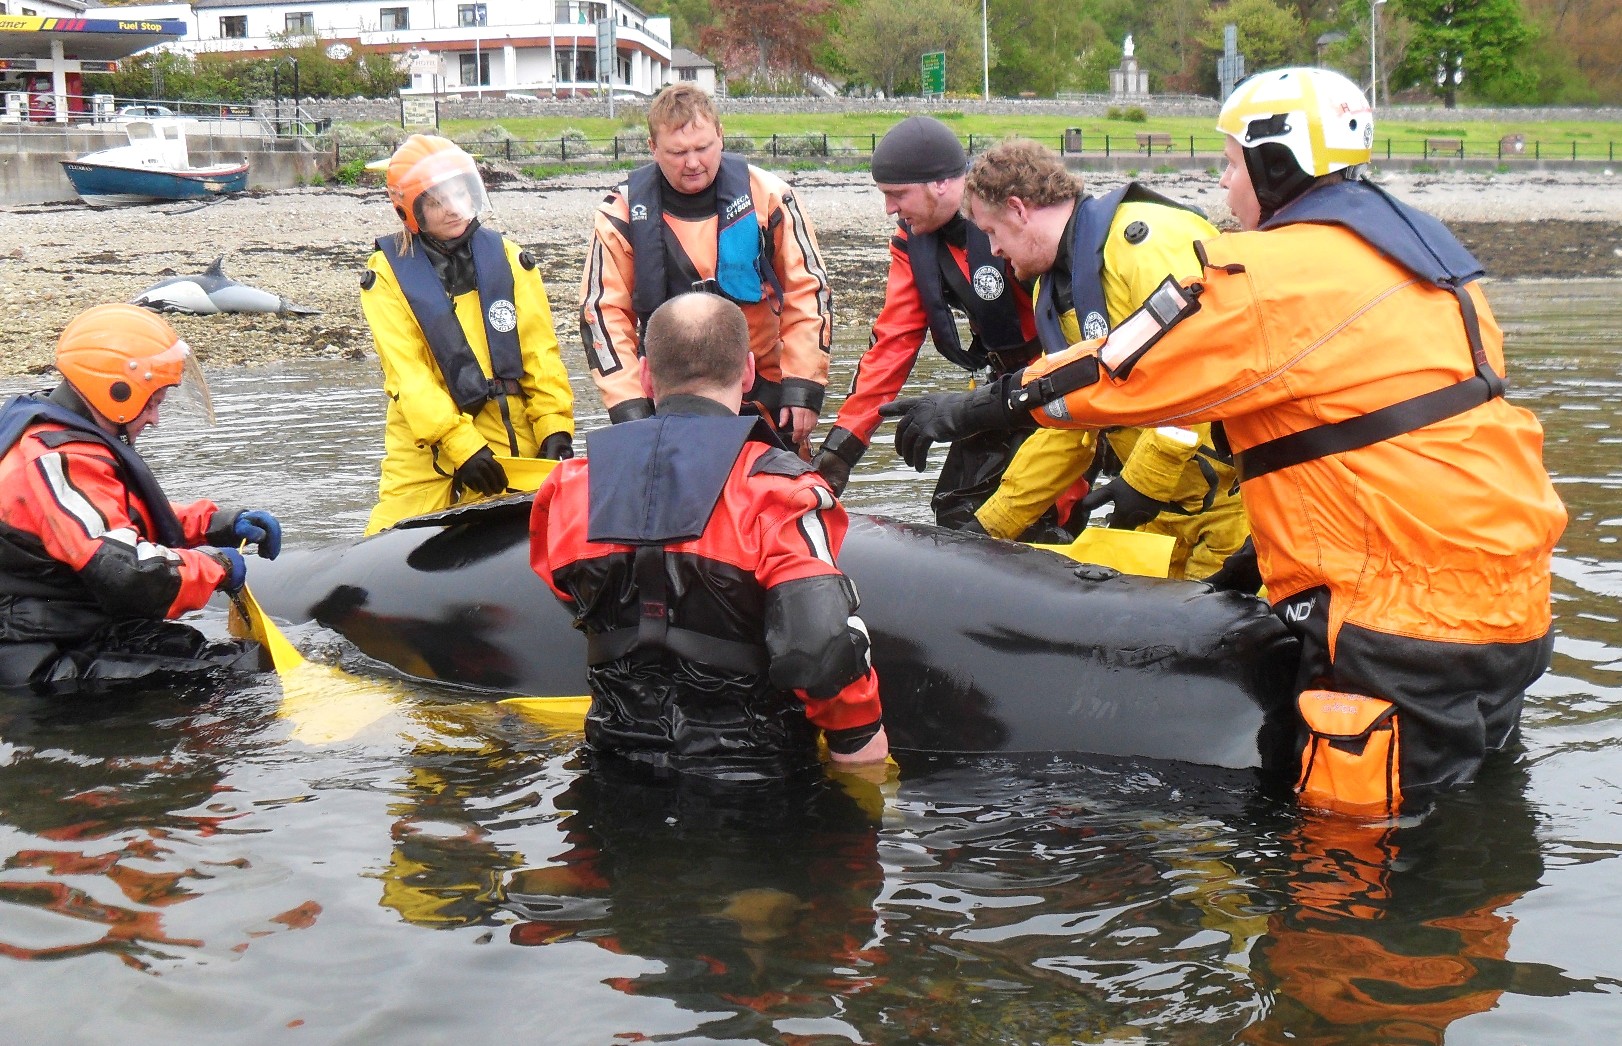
x,y
95,562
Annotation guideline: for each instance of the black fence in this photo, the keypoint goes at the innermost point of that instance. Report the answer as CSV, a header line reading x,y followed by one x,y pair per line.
x,y
858,149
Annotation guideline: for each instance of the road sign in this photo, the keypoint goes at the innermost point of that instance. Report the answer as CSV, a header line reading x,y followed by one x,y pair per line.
x,y
605,50
932,72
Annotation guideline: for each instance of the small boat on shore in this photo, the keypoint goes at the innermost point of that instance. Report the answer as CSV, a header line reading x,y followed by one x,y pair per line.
x,y
154,166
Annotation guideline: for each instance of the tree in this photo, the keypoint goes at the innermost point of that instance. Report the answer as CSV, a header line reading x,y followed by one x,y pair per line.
x,y
1587,36
1039,43
773,36
881,41
1270,36
1462,42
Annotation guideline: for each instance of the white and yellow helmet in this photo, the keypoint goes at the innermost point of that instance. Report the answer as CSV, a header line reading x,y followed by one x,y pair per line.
x,y
1315,119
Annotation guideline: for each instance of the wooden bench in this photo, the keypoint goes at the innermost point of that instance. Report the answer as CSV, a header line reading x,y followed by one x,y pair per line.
x,y
1149,141
1444,147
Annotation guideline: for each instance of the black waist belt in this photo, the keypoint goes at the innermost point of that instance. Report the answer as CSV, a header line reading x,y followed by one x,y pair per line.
x,y
688,645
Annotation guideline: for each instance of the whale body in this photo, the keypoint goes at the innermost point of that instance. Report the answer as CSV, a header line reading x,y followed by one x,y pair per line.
x,y
212,291
982,646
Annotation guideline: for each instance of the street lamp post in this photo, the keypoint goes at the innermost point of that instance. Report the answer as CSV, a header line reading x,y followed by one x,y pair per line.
x,y
1374,52
985,53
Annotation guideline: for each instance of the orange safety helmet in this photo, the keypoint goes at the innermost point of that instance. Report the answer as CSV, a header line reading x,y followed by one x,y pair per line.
x,y
423,163
117,356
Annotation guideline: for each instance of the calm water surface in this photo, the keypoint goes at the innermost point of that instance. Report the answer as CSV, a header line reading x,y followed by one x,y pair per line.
x,y
183,871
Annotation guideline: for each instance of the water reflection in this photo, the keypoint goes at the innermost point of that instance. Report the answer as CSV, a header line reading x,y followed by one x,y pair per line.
x,y
453,868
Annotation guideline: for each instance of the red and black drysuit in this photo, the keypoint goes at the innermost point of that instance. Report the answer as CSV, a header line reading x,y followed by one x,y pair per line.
x,y
930,275
698,556
94,560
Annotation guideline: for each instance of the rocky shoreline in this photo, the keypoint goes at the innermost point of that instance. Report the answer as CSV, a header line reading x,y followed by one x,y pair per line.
x,y
310,245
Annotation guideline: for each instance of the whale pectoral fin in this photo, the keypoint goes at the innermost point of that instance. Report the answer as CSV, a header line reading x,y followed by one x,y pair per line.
x,y
289,309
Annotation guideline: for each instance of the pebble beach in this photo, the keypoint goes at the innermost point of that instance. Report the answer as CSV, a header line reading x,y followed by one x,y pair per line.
x,y
310,245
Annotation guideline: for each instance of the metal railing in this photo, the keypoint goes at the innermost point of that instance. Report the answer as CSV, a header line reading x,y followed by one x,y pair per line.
x,y
21,111
1152,146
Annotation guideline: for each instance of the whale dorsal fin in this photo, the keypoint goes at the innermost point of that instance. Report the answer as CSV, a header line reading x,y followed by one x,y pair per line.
x,y
217,267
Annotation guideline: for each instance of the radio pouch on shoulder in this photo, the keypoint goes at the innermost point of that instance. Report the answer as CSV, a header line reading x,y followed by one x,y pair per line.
x,y
1351,759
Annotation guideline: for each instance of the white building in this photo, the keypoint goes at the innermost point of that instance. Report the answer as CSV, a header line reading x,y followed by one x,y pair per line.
x,y
496,47
687,67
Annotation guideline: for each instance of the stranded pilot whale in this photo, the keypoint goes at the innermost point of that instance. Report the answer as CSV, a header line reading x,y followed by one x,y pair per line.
x,y
213,291
982,646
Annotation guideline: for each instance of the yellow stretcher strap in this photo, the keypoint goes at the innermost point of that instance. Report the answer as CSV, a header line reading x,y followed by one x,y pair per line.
x,y
526,473
1129,551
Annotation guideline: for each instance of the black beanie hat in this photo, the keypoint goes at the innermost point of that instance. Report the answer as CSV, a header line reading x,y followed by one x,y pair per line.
x,y
918,149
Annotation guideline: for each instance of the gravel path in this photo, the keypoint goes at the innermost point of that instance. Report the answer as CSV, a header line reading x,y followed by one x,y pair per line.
x,y
310,245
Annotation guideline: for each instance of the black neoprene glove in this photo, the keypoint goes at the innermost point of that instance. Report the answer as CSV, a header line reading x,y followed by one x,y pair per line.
x,y
559,446
1132,507
482,473
947,416
839,454
1239,572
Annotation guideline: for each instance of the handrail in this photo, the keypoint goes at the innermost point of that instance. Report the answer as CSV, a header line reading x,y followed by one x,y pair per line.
x,y
1152,147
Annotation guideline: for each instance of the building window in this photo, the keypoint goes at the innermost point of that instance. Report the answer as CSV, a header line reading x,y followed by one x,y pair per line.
x,y
470,15
394,18
476,69
300,23
233,27
577,65
578,12
687,74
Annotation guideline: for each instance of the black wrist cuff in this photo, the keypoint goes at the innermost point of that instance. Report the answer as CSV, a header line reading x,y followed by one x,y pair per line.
x,y
630,410
850,740
802,392
844,445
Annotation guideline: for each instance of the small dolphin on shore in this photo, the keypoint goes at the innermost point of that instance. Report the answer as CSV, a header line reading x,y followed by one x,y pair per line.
x,y
213,291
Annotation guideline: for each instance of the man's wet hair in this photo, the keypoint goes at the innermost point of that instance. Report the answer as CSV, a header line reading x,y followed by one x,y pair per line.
x,y
1023,168
696,342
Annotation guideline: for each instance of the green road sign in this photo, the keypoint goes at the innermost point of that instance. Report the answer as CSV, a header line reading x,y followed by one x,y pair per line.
x,y
932,71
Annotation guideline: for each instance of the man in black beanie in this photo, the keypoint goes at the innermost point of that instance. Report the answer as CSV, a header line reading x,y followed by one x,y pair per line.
x,y
939,262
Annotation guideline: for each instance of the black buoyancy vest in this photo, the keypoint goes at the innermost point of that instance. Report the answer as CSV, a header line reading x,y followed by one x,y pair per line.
x,y
656,482
1422,245
436,315
742,270
24,412
1089,233
986,294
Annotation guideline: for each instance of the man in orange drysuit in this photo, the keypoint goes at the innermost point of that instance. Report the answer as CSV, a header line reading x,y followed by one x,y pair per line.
x,y
699,219
1402,517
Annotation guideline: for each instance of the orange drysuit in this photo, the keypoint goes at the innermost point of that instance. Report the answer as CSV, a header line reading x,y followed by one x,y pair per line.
x,y
1415,569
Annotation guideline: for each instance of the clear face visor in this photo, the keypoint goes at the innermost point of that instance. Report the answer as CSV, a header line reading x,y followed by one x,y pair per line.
x,y
192,395
452,187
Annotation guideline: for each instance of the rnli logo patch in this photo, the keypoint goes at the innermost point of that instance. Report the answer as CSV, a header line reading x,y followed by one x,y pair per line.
x,y
503,317
988,282
1094,326
639,213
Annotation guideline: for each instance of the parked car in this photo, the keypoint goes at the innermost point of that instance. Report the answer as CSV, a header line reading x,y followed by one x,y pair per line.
x,y
144,112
